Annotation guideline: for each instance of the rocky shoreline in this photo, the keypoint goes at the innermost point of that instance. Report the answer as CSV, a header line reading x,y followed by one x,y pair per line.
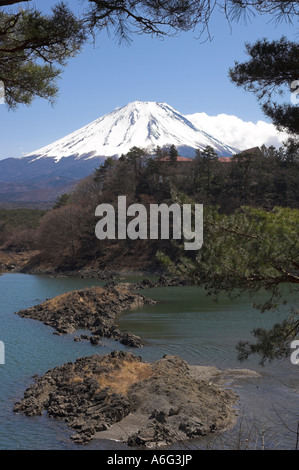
x,y
28,262
14,262
165,400
95,309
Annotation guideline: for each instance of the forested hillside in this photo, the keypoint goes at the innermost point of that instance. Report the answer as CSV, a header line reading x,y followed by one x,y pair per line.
x,y
65,235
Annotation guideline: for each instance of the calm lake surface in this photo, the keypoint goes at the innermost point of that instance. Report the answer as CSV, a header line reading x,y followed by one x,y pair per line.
x,y
185,322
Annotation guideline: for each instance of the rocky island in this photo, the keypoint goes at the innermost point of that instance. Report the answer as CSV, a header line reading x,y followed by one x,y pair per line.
x,y
118,396
95,309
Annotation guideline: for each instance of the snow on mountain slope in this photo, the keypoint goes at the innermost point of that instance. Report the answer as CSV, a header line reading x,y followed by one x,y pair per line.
x,y
140,124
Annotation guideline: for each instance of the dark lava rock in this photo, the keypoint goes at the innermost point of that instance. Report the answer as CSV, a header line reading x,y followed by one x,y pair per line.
x,y
94,308
95,339
95,393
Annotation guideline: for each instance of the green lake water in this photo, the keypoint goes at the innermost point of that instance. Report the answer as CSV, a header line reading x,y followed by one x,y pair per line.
x,y
184,322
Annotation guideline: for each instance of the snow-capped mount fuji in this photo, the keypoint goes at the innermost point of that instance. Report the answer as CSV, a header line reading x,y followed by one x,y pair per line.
x,y
43,175
141,124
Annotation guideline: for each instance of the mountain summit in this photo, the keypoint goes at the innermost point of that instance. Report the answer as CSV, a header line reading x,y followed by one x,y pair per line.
x,y
45,174
141,124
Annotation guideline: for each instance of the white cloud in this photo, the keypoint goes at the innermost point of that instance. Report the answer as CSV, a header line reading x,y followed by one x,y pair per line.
x,y
237,133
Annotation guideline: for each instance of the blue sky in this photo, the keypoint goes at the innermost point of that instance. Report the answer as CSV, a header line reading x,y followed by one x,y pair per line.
x,y
189,75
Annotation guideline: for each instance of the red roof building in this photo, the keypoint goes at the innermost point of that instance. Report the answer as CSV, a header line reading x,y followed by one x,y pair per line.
x,y
178,159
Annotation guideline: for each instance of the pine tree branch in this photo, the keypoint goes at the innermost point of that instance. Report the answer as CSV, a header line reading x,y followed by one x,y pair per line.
x,y
4,3
291,277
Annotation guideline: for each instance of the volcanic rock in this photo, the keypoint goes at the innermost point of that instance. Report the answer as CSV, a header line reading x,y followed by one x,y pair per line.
x,y
164,399
93,308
